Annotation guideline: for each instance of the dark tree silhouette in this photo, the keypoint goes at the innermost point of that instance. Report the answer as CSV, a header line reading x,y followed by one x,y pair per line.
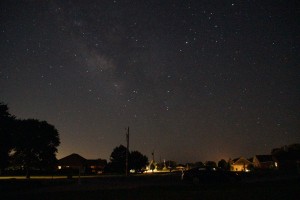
x,y
250,167
138,161
171,165
210,164
117,160
160,166
36,145
152,166
6,129
199,164
223,164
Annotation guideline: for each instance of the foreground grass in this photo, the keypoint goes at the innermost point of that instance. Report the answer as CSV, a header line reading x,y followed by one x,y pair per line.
x,y
146,187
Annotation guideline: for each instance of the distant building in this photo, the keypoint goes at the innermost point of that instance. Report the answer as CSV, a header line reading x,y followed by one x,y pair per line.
x,y
265,162
73,161
240,164
288,158
77,162
95,166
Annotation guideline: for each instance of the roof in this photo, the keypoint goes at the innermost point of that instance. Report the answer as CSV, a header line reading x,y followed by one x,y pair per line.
x,y
264,158
73,160
240,161
77,160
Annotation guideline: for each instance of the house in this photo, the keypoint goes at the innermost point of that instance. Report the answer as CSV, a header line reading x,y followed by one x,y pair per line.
x,y
265,162
288,158
95,166
240,164
77,162
73,161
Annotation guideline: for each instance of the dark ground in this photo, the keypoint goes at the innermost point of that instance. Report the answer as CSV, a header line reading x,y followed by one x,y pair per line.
x,y
167,186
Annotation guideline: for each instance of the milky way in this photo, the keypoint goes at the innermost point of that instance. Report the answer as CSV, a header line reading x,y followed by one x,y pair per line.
x,y
194,80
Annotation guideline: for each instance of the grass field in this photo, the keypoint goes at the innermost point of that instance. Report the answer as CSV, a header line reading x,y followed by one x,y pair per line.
x,y
145,187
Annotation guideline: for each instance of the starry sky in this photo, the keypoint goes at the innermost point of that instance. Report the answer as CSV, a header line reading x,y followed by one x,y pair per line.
x,y
195,80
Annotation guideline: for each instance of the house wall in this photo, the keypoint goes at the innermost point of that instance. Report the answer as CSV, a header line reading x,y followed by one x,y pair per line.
x,y
256,163
239,168
263,165
267,165
240,165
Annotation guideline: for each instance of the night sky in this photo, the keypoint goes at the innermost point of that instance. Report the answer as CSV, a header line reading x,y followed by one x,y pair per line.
x,y
194,80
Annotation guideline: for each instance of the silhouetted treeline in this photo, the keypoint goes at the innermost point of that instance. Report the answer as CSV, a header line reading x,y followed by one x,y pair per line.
x,y
117,164
26,145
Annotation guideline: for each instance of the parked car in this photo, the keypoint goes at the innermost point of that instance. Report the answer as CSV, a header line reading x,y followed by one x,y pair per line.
x,y
210,175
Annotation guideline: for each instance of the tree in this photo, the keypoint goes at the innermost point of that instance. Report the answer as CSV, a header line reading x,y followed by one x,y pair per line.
x,y
211,164
171,165
160,166
35,146
199,164
250,167
117,160
152,166
223,164
6,129
137,161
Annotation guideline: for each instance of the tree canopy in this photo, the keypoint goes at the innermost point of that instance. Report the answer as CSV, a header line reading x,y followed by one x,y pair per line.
x,y
211,164
223,164
35,144
137,161
118,160
6,130
170,164
26,144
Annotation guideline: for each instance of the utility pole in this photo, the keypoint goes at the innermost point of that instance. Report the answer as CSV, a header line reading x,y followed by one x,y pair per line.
x,y
127,150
